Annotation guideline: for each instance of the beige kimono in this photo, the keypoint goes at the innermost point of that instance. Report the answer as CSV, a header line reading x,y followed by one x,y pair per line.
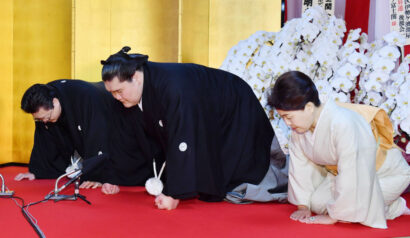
x,y
356,192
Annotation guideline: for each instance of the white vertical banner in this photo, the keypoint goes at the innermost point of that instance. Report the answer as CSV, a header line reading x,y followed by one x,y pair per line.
x,y
407,22
400,18
394,26
328,5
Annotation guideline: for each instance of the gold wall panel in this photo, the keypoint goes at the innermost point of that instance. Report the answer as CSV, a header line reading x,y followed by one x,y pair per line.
x,y
195,32
91,37
211,27
103,27
6,89
233,20
41,53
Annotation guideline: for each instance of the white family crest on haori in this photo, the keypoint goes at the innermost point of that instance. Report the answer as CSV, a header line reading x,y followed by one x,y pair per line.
x,y
356,71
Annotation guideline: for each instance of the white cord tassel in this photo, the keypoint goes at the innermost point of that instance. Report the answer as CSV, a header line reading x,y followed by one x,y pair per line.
x,y
154,185
74,166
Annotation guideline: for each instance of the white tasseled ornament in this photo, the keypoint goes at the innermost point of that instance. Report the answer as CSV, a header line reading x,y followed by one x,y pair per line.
x,y
154,185
75,165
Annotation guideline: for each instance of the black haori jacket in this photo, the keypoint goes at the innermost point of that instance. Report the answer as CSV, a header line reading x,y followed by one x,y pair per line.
x,y
213,131
91,124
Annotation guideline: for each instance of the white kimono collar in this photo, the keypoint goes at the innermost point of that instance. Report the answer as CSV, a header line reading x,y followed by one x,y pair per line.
x,y
322,131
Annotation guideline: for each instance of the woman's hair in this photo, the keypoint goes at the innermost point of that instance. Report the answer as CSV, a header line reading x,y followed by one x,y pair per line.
x,y
122,65
292,91
38,95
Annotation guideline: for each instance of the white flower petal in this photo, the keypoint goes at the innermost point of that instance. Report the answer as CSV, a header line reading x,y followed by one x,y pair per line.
x,y
373,98
384,65
390,52
348,71
340,97
358,59
395,38
378,76
354,34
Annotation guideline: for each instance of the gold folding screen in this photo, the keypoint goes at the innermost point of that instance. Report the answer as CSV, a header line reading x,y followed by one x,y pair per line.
x,y
211,27
43,40
6,89
36,45
102,27
198,31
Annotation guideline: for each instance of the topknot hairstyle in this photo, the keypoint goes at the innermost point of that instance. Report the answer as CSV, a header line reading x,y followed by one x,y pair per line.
x,y
122,65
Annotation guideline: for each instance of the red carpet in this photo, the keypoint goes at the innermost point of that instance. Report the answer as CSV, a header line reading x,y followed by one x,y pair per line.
x,y
131,213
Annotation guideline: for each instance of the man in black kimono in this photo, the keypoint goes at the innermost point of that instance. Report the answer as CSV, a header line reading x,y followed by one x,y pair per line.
x,y
74,115
213,131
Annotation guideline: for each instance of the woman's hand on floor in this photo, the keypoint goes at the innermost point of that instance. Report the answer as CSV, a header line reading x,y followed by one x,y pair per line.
x,y
302,213
319,219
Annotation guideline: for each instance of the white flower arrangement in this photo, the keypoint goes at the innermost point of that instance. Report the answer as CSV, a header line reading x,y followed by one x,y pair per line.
x,y
356,71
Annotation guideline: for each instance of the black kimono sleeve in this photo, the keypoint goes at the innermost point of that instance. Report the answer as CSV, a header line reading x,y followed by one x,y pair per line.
x,y
95,129
130,161
181,118
46,159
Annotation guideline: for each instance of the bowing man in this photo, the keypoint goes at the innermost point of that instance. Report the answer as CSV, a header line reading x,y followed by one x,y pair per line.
x,y
74,115
213,132
344,165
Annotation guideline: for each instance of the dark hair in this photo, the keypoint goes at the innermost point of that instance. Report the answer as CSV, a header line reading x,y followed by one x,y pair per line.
x,y
122,65
292,91
38,95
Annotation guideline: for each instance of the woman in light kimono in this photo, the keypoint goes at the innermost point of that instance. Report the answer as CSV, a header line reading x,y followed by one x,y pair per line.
x,y
333,167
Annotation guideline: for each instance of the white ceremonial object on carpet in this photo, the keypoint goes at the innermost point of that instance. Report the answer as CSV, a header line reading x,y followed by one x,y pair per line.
x,y
154,185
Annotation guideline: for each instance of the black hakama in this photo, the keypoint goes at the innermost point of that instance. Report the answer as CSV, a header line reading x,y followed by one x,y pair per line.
x,y
214,133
